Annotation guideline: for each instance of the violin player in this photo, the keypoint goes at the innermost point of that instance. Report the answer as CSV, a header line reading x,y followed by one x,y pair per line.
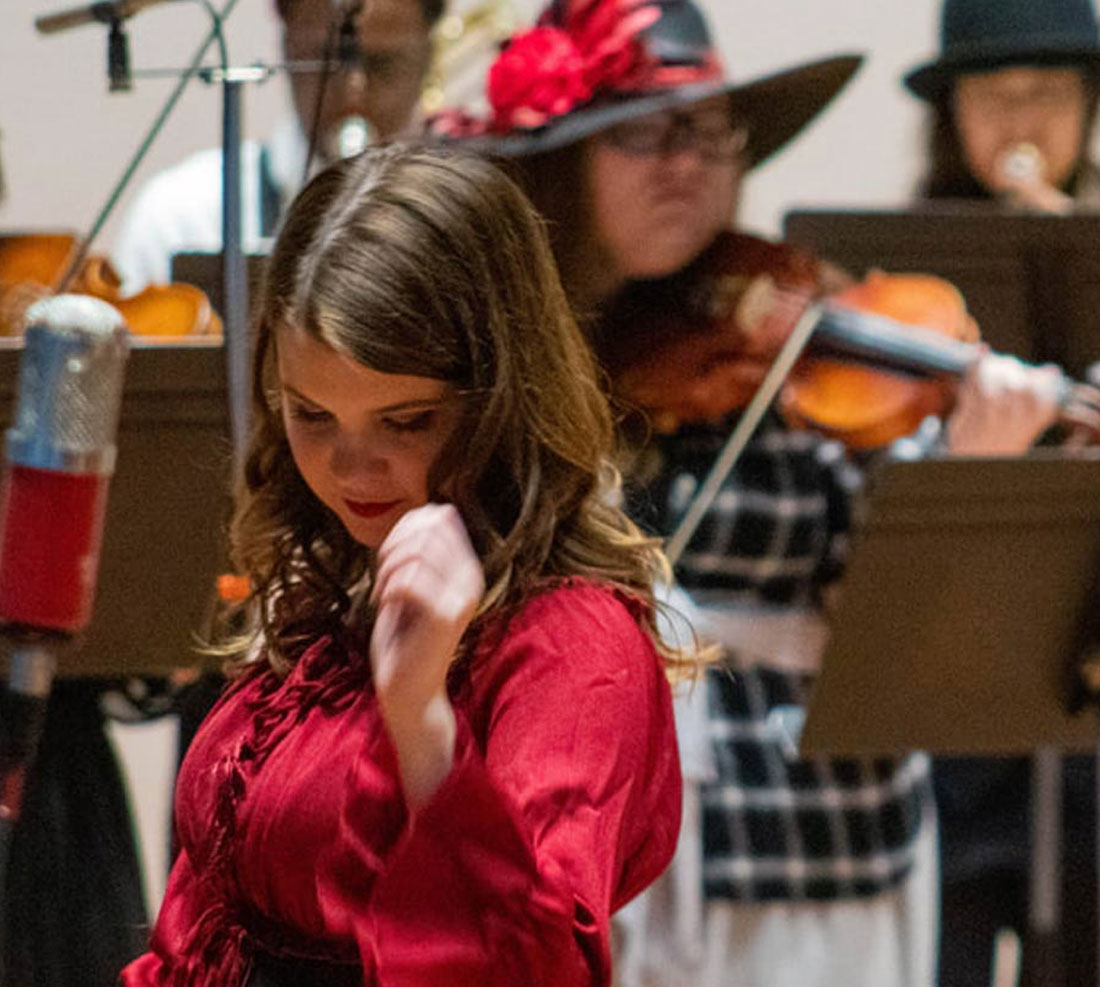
x,y
622,124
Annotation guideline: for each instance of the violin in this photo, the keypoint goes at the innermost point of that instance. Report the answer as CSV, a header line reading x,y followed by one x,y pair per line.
x,y
885,352
33,264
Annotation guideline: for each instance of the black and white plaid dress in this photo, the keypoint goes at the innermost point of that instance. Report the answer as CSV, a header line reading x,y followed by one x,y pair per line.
x,y
777,827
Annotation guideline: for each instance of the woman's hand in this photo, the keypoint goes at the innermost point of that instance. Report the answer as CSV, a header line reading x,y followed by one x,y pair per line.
x,y
1020,173
1002,407
14,301
427,588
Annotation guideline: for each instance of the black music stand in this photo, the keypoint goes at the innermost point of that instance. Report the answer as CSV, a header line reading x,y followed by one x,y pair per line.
x,y
1032,281
964,620
164,544
207,271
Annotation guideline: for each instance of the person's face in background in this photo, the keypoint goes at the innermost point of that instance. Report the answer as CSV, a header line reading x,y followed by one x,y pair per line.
x,y
383,87
663,186
996,112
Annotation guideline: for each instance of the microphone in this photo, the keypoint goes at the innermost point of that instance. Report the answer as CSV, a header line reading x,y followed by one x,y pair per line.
x,y
59,456
349,52
352,136
103,12
355,133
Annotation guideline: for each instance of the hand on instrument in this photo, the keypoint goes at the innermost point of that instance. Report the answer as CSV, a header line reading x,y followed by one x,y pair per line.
x,y
1002,406
1021,179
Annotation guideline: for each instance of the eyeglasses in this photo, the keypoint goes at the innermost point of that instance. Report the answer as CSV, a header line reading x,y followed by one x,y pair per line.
x,y
713,137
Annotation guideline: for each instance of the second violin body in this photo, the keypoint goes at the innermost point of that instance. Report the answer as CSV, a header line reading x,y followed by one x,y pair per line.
x,y
31,265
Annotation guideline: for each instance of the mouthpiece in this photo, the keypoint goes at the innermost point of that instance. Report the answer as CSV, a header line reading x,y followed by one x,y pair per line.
x,y
1022,172
354,135
1021,164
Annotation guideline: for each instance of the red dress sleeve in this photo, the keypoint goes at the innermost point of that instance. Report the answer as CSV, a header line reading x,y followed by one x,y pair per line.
x,y
562,804
152,969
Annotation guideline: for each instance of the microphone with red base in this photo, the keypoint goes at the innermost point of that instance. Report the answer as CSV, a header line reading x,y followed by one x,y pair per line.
x,y
59,455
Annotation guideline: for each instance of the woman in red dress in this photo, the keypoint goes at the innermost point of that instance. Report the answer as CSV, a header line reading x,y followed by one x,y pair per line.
x,y
450,753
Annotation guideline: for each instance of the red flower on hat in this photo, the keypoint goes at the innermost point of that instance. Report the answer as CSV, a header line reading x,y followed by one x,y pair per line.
x,y
541,74
457,123
606,31
568,60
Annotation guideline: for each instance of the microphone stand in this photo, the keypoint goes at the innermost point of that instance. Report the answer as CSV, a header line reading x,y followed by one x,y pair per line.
x,y
235,317
234,268
32,659
235,286
1084,692
193,69
118,57
234,274
31,664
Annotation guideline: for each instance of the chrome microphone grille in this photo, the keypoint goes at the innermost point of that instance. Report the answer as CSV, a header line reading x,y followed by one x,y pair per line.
x,y
70,386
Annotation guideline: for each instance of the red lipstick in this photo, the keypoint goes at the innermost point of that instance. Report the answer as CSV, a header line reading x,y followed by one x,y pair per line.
x,y
371,508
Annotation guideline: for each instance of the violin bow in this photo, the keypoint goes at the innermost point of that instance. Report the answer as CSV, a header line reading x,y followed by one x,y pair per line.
x,y
746,425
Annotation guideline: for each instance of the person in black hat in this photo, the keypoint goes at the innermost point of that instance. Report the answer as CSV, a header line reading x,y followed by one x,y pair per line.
x,y
1013,99
622,125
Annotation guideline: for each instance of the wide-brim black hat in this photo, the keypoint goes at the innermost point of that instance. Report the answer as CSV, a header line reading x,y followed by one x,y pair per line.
x,y
652,55
985,35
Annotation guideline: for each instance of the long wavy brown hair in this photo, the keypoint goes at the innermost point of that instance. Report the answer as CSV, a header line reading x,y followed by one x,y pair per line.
x,y
557,184
420,261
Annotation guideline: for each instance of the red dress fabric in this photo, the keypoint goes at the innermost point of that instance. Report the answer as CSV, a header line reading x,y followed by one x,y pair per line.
x,y
563,803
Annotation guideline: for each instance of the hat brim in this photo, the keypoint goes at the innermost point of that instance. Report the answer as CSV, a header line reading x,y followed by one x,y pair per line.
x,y
932,81
774,108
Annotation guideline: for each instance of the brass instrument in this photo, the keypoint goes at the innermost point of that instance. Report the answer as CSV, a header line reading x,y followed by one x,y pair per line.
x,y
354,135
1022,169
